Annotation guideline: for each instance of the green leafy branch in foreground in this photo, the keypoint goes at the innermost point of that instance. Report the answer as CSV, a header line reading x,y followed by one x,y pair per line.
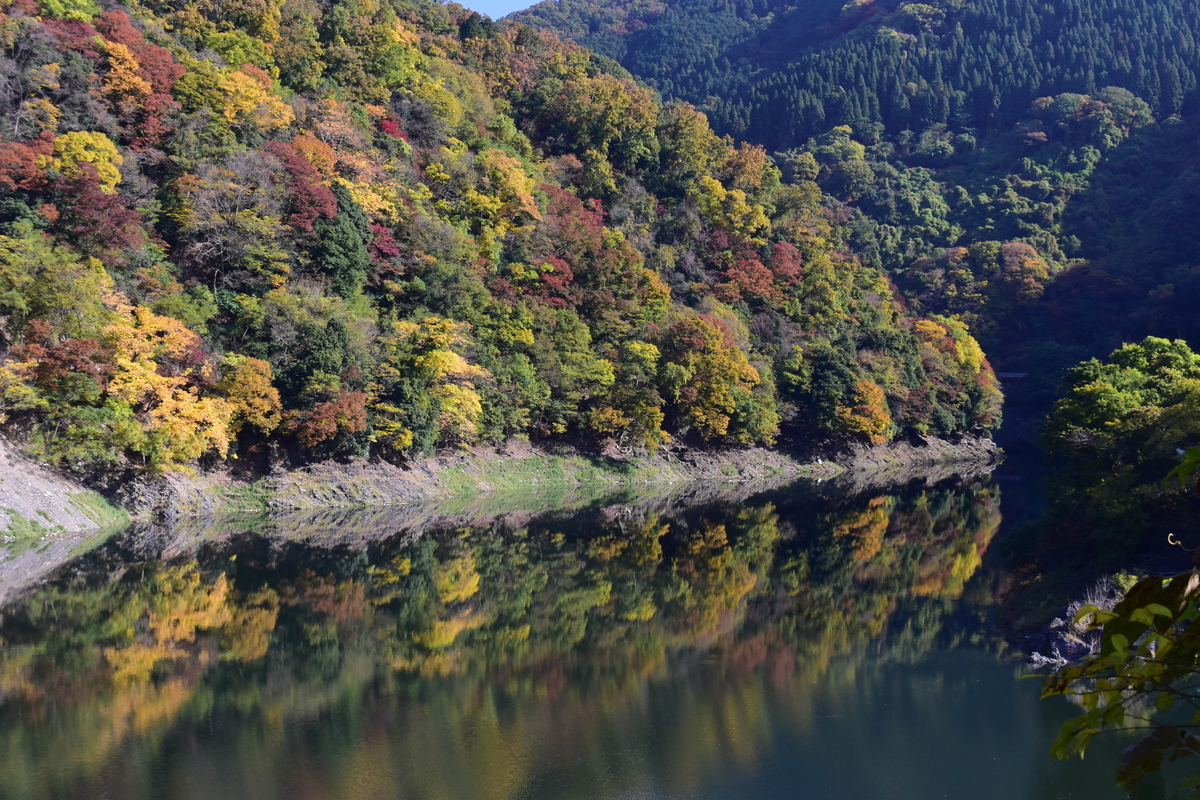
x,y
1188,467
1147,663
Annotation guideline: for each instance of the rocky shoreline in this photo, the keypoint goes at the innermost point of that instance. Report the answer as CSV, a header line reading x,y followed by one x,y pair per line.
x,y
354,503
31,491
519,468
35,500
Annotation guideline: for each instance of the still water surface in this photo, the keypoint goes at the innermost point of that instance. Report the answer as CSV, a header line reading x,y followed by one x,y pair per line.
x,y
790,645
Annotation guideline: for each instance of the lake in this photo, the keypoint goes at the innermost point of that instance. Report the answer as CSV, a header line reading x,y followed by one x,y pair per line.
x,y
803,642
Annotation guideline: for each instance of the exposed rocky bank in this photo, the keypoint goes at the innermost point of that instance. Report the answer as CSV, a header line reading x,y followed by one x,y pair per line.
x,y
37,500
32,491
49,518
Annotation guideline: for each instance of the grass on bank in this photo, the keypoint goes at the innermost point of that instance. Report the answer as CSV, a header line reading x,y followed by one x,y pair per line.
x,y
521,475
103,513
24,534
244,499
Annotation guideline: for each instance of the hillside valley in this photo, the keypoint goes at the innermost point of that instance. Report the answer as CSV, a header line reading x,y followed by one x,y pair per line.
x,y
1028,169
306,231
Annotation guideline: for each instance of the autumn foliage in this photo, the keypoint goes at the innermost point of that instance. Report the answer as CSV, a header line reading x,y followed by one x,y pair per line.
x,y
348,228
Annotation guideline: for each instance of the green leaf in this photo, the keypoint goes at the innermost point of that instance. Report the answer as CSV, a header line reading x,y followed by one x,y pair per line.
x,y
1187,467
1142,615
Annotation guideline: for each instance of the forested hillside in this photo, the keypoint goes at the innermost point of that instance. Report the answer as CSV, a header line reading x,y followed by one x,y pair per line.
x,y
326,229
1028,168
781,72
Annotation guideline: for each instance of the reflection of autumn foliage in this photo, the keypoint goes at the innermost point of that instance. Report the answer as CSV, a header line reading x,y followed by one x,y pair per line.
x,y
866,528
442,633
343,602
456,579
882,557
143,650
247,635
182,606
716,580
579,613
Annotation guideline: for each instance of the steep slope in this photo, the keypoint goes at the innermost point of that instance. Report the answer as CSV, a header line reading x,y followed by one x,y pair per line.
x,y
309,230
1028,169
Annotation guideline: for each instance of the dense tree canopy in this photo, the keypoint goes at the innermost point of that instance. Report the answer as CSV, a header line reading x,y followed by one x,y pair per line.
x,y
1022,167
356,227
782,71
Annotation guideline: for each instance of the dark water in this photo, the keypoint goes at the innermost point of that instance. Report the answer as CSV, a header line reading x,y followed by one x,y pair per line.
x,y
792,645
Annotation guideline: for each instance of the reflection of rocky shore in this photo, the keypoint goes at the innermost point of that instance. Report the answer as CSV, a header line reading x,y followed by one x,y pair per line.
x,y
25,563
932,462
354,504
338,525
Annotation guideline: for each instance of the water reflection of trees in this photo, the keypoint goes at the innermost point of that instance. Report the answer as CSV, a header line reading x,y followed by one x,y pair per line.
x,y
485,643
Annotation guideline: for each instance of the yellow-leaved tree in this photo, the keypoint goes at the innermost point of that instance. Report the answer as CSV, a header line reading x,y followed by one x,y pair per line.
x,y
427,392
90,147
253,399
711,382
869,415
159,369
124,81
730,210
246,101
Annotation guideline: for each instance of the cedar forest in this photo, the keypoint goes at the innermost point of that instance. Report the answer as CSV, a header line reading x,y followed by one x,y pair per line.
x,y
323,230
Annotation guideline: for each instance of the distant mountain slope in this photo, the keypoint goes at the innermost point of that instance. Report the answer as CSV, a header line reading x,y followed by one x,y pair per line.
x,y
780,72
1025,167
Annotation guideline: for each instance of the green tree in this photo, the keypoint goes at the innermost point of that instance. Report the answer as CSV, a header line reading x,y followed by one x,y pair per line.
x,y
341,250
42,280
